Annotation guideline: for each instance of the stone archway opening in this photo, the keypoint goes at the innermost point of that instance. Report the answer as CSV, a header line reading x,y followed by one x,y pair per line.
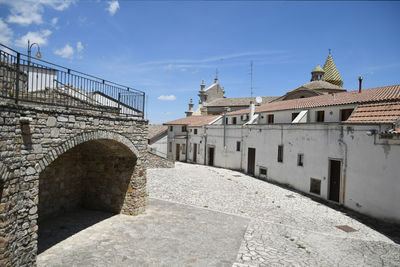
x,y
86,184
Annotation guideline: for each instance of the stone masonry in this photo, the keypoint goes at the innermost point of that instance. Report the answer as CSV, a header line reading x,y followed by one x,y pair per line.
x,y
53,159
155,161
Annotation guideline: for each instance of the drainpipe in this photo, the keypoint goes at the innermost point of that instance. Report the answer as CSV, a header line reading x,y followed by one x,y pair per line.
x,y
225,110
344,169
187,143
205,145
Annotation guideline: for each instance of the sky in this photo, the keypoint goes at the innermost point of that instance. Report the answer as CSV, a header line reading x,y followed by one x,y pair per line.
x,y
166,48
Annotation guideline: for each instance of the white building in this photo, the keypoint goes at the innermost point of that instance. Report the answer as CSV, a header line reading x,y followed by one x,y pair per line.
x,y
342,146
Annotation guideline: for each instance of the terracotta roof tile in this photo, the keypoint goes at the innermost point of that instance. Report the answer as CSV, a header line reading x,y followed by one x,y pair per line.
x,y
385,93
238,101
156,130
378,112
194,121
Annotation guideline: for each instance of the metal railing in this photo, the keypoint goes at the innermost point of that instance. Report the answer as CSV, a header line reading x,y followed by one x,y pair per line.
x,y
27,79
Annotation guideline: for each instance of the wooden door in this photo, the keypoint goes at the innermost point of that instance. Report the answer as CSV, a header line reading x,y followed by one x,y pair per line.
x,y
210,156
194,152
334,180
178,148
251,160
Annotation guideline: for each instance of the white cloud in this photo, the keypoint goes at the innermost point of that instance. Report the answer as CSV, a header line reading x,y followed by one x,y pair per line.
x,y
79,47
113,7
66,52
167,97
33,37
54,21
26,12
6,33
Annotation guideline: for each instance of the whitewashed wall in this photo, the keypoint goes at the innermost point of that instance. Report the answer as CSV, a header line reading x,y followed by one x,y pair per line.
x,y
40,78
160,147
373,170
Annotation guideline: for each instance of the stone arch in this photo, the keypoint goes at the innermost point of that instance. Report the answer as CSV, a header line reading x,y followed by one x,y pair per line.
x,y
54,153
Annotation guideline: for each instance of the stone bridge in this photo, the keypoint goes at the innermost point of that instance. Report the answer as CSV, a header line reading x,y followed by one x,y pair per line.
x,y
54,159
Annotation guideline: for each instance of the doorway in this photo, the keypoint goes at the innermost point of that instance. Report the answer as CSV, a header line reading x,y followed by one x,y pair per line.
x,y
251,160
334,180
178,149
211,156
194,153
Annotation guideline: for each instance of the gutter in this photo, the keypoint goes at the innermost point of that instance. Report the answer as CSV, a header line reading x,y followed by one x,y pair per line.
x,y
344,169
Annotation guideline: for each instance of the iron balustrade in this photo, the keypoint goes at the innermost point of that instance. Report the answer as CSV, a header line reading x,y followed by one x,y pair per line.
x,y
27,79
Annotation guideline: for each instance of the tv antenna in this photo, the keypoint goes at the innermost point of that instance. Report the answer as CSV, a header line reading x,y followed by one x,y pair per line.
x,y
251,78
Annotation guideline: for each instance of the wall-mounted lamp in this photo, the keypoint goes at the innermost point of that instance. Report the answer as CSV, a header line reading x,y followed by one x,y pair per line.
x,y
371,132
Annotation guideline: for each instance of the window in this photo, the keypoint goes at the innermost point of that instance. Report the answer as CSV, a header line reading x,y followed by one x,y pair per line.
x,y
238,146
171,128
315,186
345,114
300,158
170,146
184,128
320,114
195,131
234,120
263,172
280,153
183,148
271,118
294,115
226,120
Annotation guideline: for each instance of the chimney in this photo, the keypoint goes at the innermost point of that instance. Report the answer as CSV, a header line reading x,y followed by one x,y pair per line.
x,y
360,83
252,108
202,85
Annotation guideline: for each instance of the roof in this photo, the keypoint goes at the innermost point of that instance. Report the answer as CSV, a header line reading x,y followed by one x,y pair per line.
x,y
316,85
156,130
385,93
194,121
238,101
318,68
331,73
376,113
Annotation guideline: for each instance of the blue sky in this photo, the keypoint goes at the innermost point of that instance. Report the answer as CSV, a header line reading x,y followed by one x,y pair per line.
x,y
167,48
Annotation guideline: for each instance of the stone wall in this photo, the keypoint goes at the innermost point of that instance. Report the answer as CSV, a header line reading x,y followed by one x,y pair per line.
x,y
33,138
155,161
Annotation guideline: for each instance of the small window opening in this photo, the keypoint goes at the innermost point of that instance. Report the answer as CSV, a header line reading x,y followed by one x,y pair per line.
x,y
300,158
263,172
280,153
294,115
171,128
184,128
315,186
345,114
271,118
234,120
238,146
226,120
195,131
320,116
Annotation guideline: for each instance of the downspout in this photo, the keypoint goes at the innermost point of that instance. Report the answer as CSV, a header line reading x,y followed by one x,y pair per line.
x,y
205,145
187,144
344,169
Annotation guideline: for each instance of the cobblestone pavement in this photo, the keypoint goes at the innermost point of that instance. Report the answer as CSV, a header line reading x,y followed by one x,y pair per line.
x,y
167,234
285,228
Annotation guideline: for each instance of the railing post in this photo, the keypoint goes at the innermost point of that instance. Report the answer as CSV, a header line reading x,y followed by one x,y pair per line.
x,y
17,78
144,102
119,100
